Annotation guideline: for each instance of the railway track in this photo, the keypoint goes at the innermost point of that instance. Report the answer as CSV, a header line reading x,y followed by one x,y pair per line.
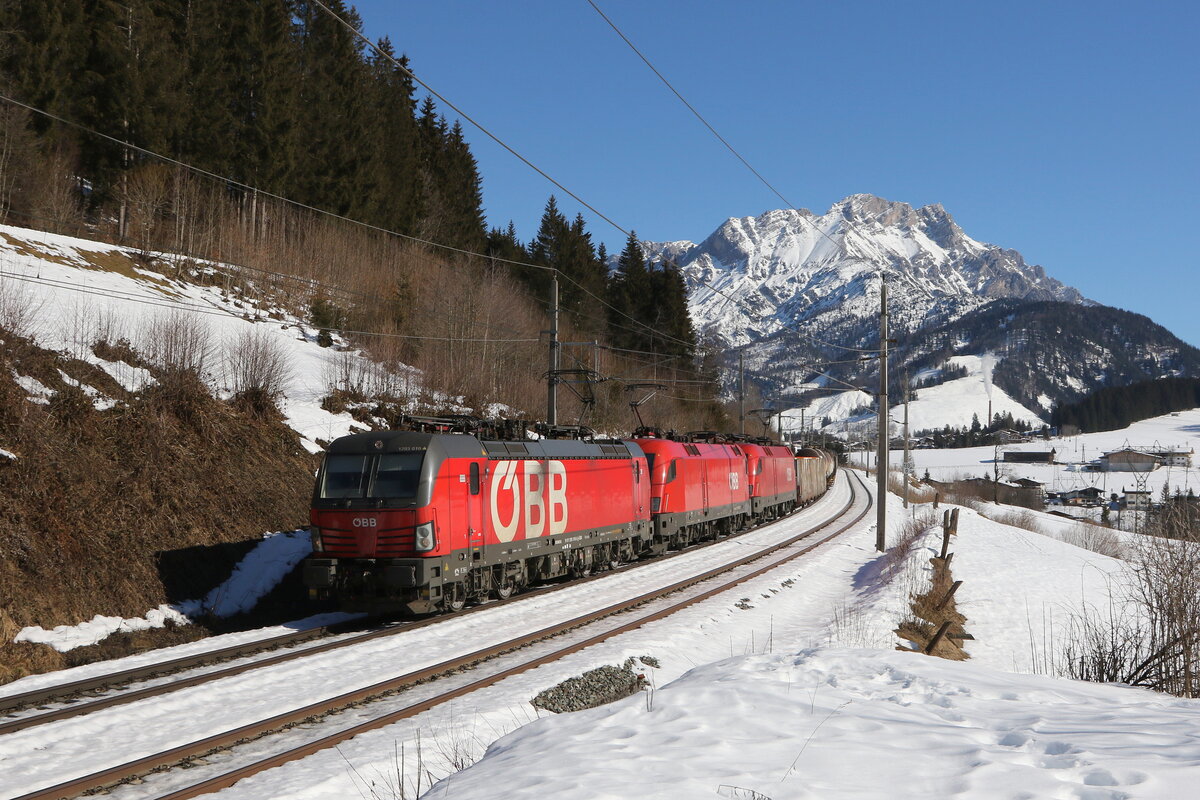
x,y
771,557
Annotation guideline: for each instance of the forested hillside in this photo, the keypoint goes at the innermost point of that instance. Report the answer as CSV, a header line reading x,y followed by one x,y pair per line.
x,y
225,129
1120,406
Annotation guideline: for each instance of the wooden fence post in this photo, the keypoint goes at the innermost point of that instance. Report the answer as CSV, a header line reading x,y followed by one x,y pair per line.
x,y
937,637
950,593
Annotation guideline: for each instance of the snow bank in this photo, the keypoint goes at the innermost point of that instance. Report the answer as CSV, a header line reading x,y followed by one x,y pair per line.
x,y
842,723
255,575
68,637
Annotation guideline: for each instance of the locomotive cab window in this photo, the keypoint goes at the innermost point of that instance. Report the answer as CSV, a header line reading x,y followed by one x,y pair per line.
x,y
670,472
350,476
345,476
397,475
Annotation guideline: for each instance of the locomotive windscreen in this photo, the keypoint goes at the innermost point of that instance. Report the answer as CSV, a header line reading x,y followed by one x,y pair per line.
x,y
387,475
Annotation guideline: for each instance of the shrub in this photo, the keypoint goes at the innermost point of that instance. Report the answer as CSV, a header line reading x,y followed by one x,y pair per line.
x,y
258,369
178,341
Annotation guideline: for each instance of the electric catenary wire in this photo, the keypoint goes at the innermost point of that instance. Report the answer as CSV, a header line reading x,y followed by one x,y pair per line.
x,y
739,156
296,204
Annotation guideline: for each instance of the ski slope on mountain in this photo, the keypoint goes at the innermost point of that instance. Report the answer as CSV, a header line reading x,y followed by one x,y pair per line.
x,y
957,403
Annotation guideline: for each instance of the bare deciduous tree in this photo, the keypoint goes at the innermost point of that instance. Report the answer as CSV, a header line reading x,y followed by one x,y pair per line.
x,y
178,341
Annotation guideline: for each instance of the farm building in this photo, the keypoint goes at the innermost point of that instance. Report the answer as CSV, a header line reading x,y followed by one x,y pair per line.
x,y
1129,460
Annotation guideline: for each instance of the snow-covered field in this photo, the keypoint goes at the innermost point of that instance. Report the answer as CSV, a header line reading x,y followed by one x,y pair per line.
x,y
792,687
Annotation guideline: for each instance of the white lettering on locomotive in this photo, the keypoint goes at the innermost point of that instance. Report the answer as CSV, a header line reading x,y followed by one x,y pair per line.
x,y
557,499
503,481
365,522
733,481
535,510
534,498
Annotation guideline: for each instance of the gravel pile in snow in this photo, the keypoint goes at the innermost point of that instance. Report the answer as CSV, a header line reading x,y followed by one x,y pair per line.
x,y
593,688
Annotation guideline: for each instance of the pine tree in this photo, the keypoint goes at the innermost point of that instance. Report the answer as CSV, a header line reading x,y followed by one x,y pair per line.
x,y
630,298
395,196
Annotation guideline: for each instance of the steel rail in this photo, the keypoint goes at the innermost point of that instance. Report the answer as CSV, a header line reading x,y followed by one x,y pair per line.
x,y
141,766
64,690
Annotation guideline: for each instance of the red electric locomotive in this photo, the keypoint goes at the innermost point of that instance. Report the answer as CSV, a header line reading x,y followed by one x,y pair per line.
x,y
424,521
699,489
773,481
427,521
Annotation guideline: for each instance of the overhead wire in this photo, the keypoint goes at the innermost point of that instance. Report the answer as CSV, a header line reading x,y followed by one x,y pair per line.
x,y
316,210
741,158
129,297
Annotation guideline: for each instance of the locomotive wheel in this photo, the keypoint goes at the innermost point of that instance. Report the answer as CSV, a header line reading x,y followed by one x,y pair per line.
x,y
457,599
506,590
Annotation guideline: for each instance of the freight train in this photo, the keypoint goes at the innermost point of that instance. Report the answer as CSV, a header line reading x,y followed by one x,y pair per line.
x,y
451,512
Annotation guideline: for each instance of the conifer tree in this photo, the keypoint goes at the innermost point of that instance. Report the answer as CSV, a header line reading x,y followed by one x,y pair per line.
x,y
630,298
395,201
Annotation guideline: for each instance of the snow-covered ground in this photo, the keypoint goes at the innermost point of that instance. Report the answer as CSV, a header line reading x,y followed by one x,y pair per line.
x,y
77,291
74,292
257,574
790,687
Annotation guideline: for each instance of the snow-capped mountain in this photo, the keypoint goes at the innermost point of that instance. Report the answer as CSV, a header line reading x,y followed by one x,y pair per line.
x,y
788,287
755,276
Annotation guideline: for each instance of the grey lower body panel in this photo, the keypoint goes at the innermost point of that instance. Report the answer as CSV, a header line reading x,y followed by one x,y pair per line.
x,y
419,584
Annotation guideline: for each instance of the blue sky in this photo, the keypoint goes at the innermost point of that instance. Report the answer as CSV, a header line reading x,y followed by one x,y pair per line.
x,y
1067,131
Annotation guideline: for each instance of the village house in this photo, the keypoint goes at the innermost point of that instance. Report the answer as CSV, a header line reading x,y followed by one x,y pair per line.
x,y
1136,500
1030,485
1009,436
1089,496
1173,456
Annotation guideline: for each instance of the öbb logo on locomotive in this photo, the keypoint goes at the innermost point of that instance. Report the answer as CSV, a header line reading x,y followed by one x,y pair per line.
x,y
365,522
525,492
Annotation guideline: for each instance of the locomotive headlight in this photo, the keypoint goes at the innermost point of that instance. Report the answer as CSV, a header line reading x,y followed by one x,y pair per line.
x,y
314,533
424,541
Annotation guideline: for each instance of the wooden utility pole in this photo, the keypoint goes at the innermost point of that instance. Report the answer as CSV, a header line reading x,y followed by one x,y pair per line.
x,y
881,459
907,463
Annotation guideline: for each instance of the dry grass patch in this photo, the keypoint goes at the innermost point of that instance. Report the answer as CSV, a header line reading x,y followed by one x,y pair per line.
x,y
917,492
930,610
116,511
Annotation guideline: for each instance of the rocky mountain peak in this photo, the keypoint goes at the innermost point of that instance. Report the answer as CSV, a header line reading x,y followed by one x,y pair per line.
x,y
755,276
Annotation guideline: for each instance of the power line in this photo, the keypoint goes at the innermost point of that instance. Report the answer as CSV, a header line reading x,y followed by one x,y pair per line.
x,y
233,182
216,311
739,156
